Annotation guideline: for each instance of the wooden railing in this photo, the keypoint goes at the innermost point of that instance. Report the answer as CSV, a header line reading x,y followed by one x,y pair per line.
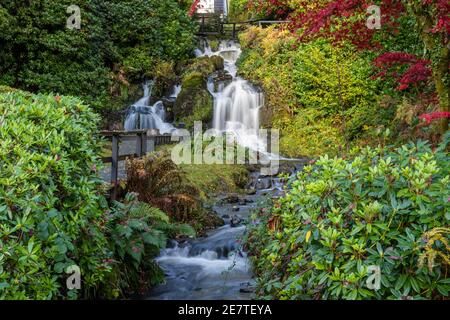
x,y
141,137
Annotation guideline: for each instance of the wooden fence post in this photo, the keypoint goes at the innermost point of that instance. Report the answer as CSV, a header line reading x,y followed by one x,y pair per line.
x,y
114,165
143,144
139,145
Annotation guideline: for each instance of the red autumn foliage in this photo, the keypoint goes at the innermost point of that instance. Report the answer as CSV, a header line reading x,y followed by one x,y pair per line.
x,y
346,20
418,69
195,5
428,117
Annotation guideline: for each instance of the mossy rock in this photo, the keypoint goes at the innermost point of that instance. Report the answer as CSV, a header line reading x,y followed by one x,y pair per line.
x,y
193,80
218,63
205,65
214,44
193,104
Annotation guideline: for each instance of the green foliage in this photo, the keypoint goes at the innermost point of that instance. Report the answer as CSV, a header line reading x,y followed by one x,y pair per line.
x,y
160,182
120,42
51,199
195,103
53,213
239,11
382,208
319,96
137,233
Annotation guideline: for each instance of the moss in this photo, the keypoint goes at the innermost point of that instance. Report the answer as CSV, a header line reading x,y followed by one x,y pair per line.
x,y
217,178
214,179
194,105
218,62
205,65
193,80
214,44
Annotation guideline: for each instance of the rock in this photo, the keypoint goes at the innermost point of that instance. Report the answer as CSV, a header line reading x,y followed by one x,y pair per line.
x,y
226,216
231,198
221,83
235,209
194,103
263,183
193,80
251,191
244,201
206,65
217,62
235,221
247,290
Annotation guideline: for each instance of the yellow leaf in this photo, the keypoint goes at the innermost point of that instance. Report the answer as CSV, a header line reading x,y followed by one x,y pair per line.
x,y
308,235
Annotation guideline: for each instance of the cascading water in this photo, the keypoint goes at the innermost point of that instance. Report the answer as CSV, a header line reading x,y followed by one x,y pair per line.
x,y
237,104
142,116
216,267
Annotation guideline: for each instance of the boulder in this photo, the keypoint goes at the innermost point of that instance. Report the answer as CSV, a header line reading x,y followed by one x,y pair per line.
x,y
235,221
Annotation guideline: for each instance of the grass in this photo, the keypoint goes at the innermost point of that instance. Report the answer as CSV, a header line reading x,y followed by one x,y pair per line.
x,y
214,179
217,178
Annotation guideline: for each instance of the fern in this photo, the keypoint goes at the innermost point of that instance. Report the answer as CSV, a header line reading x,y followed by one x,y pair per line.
x,y
144,210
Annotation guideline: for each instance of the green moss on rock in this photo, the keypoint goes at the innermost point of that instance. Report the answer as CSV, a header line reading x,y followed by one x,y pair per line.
x,y
193,80
193,104
214,44
205,65
218,62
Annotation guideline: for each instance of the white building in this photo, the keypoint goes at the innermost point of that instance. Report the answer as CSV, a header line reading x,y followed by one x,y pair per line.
x,y
213,6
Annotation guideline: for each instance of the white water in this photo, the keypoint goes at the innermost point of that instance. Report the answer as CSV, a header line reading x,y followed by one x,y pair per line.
x,y
143,116
175,91
216,267
237,105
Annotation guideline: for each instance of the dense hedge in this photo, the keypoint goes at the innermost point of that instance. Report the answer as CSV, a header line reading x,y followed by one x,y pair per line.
x,y
53,213
387,208
51,203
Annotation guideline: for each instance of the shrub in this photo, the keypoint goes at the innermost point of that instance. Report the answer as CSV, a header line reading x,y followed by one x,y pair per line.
x,y
137,233
160,182
51,202
313,90
119,40
384,207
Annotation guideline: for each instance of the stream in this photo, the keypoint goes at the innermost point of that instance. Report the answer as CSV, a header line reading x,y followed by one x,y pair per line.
x,y
215,267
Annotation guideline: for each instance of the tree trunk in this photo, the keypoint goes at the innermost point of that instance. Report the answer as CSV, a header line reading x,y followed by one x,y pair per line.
x,y
440,73
440,60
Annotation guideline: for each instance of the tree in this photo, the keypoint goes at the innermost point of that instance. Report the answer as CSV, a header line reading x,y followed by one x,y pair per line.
x,y
119,41
346,21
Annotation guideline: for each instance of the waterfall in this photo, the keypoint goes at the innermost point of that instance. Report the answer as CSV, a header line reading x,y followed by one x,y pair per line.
x,y
143,116
175,91
236,104
237,107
